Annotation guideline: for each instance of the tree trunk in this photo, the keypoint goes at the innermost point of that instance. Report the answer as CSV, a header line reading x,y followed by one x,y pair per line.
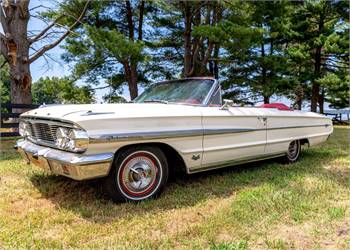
x,y
133,82
21,82
299,93
130,67
266,99
321,101
315,86
218,14
140,27
299,104
131,79
315,92
187,38
15,48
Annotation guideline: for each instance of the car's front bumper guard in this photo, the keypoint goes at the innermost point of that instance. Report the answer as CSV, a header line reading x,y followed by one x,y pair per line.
x,y
75,166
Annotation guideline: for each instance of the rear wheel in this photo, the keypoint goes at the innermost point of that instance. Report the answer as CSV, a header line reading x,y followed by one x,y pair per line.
x,y
138,173
293,152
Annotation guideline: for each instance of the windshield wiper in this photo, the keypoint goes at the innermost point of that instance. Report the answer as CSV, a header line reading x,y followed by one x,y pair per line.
x,y
157,100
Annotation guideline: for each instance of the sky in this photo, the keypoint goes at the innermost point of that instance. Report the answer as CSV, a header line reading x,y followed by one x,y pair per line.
x,y
56,67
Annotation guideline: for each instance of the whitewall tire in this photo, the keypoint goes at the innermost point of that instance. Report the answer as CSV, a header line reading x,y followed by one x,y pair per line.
x,y
137,174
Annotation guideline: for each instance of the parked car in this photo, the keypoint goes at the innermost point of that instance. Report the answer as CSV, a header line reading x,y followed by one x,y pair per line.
x,y
173,124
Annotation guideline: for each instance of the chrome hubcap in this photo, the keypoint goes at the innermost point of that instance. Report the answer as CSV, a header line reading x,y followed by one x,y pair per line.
x,y
139,174
293,150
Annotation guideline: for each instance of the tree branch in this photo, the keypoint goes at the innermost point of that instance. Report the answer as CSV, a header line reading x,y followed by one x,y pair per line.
x,y
3,20
58,41
3,64
39,6
38,36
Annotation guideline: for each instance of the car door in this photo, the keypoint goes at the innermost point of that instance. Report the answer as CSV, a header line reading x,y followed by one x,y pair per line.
x,y
234,134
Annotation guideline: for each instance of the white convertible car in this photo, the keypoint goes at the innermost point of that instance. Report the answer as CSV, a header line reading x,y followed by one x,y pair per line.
x,y
173,124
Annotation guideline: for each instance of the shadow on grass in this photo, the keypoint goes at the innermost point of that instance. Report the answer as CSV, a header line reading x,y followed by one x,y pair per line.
x,y
88,200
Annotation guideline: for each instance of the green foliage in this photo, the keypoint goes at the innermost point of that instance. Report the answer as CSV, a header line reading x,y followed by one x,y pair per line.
x,y
255,47
320,25
60,90
4,82
116,44
260,49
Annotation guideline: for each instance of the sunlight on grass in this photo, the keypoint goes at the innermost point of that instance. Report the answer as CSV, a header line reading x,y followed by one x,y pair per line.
x,y
264,205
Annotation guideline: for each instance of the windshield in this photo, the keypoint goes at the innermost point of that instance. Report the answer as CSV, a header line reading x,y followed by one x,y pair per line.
x,y
189,91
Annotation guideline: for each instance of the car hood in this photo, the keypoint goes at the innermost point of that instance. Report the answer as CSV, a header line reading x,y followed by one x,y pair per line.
x,y
79,112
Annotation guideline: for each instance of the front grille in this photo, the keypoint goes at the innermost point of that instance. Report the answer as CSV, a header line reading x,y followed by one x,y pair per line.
x,y
43,132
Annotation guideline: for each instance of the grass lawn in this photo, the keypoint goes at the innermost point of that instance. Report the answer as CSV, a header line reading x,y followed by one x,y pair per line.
x,y
264,205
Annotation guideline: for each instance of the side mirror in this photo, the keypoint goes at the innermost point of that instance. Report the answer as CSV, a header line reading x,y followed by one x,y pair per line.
x,y
227,103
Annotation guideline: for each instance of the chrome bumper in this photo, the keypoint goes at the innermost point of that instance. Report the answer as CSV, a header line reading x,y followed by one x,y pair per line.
x,y
75,166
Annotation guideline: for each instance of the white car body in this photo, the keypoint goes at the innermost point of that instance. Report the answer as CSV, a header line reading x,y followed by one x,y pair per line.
x,y
204,137
180,123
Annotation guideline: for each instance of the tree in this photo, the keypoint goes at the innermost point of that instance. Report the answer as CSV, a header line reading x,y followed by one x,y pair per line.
x,y
321,31
60,90
189,36
16,43
111,45
256,48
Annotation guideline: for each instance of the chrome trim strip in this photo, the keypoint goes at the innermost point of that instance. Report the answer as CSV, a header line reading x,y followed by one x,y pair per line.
x,y
88,113
146,135
305,126
181,133
234,162
227,131
49,121
211,92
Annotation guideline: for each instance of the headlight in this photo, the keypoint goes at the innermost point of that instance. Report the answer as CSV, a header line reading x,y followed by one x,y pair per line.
x,y
72,139
24,129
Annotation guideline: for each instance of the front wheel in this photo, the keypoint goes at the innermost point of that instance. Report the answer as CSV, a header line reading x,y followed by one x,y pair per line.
x,y
293,152
137,174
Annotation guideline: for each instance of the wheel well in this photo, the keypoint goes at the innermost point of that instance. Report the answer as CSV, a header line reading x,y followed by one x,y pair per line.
x,y
305,142
175,161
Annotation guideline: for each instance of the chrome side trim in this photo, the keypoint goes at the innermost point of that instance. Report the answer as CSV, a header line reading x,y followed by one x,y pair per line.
x,y
88,113
227,131
305,126
234,162
182,133
49,121
146,135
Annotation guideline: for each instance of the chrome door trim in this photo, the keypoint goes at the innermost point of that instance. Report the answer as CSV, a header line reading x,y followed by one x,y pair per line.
x,y
106,138
145,135
234,162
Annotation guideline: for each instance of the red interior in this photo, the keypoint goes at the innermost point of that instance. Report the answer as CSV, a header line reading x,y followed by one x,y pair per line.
x,y
276,105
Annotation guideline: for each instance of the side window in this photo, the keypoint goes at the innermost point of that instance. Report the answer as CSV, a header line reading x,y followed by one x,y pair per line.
x,y
216,98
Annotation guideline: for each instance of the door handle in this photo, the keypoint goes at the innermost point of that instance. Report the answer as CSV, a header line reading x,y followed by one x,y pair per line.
x,y
262,120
